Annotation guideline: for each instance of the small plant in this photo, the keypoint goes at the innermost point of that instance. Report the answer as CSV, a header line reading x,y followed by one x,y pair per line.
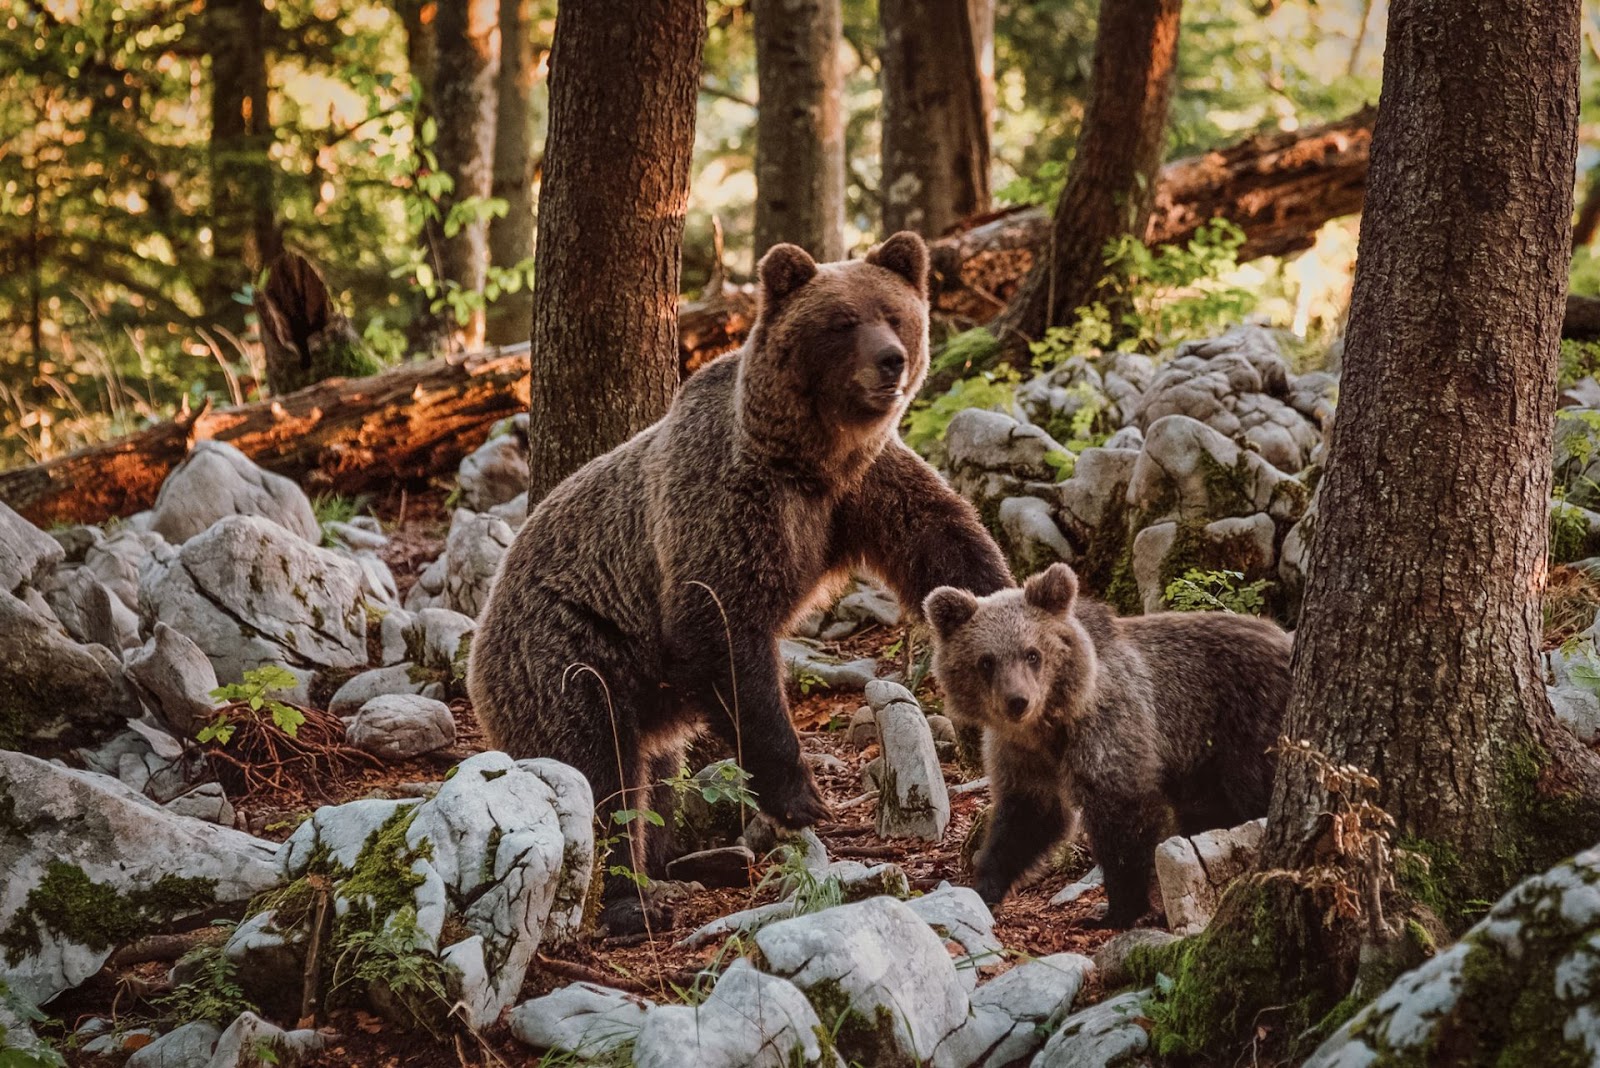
x,y
605,842
809,681
250,698
336,508
1569,532
727,782
214,994
806,892
927,421
38,1053
395,957
1579,360
1043,186
1216,591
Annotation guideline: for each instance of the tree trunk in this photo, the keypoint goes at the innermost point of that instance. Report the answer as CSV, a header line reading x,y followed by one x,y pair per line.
x,y
624,79
799,127
1278,188
510,318
1111,185
465,95
428,331
935,118
244,224
1417,653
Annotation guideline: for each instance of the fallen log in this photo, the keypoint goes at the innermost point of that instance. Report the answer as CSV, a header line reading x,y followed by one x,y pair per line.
x,y
1278,188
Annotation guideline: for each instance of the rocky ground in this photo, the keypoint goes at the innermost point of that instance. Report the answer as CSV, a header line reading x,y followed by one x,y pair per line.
x,y
243,708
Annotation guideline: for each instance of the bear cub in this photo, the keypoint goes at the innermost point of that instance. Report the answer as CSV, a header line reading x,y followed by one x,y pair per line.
x,y
1148,724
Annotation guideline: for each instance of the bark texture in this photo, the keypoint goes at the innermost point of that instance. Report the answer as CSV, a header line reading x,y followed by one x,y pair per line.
x,y
1112,182
624,78
799,127
1417,651
465,97
510,318
244,226
935,114
428,332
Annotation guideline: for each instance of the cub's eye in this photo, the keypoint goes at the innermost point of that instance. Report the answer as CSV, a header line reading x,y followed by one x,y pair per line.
x,y
1034,659
986,664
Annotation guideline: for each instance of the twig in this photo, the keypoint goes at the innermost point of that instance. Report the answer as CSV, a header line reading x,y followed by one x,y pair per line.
x,y
580,973
878,852
313,971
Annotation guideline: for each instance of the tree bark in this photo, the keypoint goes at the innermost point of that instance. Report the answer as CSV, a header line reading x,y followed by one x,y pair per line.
x,y
244,226
935,114
799,127
1111,185
510,318
466,94
1417,655
1278,188
624,80
428,332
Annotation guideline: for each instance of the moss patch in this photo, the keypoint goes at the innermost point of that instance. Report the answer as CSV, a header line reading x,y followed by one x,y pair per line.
x,y
70,904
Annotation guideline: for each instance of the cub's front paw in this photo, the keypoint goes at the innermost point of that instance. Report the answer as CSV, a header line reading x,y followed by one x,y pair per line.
x,y
795,802
992,890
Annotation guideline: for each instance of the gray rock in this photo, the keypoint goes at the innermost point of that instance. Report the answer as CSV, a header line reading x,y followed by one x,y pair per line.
x,y
1111,961
89,611
582,1019
75,541
504,848
216,481
251,1042
205,802
811,666
1237,543
514,512
175,678
392,635
110,1043
863,730
497,471
72,825
751,1020
878,972
1107,1035
188,1046
724,866
1092,879
401,726
1188,471
440,640
1029,535
1539,937
703,824
1012,1014
1572,679
993,441
1129,438
1193,872
249,593
473,549
1096,492
402,678
122,557
377,581
913,802
354,536
54,692
267,958
27,554
957,914
428,590
868,604
144,758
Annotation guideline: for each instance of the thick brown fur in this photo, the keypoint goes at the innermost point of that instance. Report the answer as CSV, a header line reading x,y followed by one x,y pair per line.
x,y
1151,724
644,597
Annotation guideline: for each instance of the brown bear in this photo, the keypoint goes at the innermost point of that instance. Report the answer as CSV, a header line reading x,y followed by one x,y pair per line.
x,y
645,596
1135,720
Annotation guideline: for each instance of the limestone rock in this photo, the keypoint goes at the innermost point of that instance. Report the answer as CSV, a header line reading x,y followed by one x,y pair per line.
x,y
582,1019
1096,492
89,611
1107,1035
175,678
1193,872
401,726
251,1042
1189,471
811,667
55,693
1572,681
1029,536
1012,1014
122,557
249,593
396,679
496,471
27,553
473,549
751,1020
957,914
1237,543
216,481
83,837
188,1046
914,802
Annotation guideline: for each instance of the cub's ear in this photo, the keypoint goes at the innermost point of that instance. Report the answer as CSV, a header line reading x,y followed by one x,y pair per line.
x,y
1053,589
906,256
784,269
948,608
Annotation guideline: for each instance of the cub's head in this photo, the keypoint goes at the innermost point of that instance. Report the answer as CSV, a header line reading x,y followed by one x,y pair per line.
x,y
1014,657
840,345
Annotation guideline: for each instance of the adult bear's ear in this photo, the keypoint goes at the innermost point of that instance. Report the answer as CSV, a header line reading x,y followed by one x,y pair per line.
x,y
948,608
906,256
784,269
1053,589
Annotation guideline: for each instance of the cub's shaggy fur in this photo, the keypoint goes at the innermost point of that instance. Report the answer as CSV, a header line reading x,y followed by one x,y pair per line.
x,y
1133,720
645,596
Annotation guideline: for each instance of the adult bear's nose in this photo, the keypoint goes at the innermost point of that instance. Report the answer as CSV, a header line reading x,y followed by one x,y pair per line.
x,y
891,362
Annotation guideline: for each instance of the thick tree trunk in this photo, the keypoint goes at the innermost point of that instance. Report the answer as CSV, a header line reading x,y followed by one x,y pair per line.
x,y
345,435
1278,188
935,114
466,94
1111,186
799,127
510,318
244,224
1417,655
624,79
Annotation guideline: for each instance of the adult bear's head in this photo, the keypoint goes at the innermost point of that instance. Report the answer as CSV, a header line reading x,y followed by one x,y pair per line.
x,y
838,349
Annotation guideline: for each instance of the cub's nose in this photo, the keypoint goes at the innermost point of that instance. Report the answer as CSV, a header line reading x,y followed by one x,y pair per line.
x,y
891,362
1016,706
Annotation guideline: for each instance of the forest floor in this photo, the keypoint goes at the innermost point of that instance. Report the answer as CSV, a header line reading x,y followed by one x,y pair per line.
x,y
654,967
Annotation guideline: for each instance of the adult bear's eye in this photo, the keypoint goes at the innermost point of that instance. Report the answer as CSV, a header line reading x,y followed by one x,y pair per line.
x,y
893,321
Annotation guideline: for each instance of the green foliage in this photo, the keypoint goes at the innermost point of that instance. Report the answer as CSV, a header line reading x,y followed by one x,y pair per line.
x,y
807,892
965,354
1154,298
98,915
397,958
1569,533
927,421
809,681
251,697
37,1054
1198,590
1042,187
728,783
214,994
337,508
1579,360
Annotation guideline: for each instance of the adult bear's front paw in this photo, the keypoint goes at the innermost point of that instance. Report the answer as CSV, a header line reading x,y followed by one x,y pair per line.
x,y
793,800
